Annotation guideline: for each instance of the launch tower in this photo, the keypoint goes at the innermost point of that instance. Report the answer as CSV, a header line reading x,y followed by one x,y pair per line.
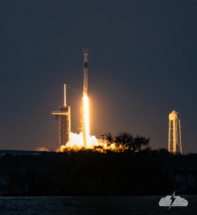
x,y
174,137
64,117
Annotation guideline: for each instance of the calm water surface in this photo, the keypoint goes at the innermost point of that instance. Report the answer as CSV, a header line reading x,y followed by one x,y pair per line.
x,y
92,205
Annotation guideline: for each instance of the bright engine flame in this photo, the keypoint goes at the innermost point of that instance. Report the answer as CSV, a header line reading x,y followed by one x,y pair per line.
x,y
86,119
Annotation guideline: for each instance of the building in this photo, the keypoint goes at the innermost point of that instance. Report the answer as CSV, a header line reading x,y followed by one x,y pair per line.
x,y
18,152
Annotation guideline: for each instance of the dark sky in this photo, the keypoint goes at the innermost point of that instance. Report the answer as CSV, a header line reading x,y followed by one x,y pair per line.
x,y
142,66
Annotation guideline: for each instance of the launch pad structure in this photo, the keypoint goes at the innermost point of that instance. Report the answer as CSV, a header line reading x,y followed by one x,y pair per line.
x,y
64,117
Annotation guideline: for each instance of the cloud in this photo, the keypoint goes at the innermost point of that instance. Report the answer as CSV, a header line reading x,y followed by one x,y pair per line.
x,y
177,203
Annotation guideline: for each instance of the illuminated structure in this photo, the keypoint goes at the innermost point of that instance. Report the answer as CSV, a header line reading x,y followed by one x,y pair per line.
x,y
64,117
85,121
174,136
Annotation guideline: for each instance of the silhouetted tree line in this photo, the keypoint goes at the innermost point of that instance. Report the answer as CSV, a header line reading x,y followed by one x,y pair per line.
x,y
126,141
132,169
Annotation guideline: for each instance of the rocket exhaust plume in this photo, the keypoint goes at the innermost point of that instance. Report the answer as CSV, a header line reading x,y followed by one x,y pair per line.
x,y
85,121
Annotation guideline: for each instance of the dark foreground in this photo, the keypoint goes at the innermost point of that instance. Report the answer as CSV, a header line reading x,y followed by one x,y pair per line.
x,y
91,173
92,205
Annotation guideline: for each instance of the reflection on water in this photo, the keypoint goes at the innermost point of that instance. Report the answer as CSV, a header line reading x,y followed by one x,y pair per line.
x,y
91,205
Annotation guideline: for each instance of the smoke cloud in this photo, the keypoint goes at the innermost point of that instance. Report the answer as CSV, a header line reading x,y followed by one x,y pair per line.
x,y
76,142
42,149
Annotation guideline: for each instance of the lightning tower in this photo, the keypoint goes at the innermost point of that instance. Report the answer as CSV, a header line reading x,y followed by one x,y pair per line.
x,y
85,92
174,136
64,117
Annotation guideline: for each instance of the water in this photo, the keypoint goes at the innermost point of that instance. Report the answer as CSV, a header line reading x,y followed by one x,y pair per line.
x,y
91,205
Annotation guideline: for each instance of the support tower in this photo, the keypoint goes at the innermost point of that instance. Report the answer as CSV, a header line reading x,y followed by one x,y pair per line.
x,y
174,136
64,117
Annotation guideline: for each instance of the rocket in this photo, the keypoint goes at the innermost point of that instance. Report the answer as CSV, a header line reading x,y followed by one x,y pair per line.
x,y
85,92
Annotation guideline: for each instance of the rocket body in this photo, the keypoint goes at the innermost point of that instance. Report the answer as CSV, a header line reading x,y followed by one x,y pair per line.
x,y
85,81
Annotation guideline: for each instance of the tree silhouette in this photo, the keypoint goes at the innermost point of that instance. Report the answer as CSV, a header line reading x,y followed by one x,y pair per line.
x,y
125,141
140,141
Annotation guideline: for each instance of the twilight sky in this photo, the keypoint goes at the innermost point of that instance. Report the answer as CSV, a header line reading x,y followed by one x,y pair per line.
x,y
142,66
